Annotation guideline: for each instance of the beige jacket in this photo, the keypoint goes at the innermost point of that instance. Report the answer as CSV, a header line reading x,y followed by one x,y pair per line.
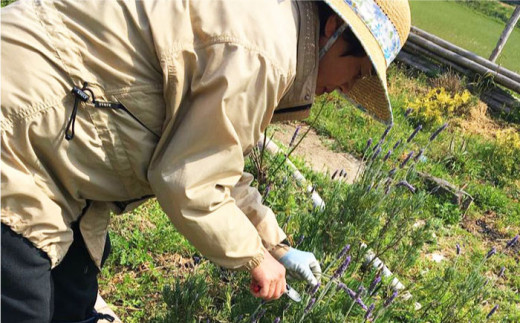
x,y
200,81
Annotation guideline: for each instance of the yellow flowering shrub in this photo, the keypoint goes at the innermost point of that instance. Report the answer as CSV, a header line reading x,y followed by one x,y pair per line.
x,y
438,105
509,137
508,152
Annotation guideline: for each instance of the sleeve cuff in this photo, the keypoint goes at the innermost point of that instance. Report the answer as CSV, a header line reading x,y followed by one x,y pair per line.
x,y
253,263
279,250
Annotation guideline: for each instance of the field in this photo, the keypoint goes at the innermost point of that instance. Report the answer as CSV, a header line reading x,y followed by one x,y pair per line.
x,y
154,275
474,31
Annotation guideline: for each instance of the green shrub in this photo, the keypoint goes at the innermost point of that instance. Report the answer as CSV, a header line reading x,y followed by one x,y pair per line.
x,y
488,197
449,212
186,299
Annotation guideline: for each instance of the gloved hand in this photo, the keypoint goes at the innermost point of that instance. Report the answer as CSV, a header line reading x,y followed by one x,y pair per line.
x,y
302,265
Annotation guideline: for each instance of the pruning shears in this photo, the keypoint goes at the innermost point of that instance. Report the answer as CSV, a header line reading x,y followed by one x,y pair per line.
x,y
289,291
292,293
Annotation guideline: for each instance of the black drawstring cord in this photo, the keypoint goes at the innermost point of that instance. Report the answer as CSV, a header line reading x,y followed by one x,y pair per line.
x,y
85,88
102,316
79,95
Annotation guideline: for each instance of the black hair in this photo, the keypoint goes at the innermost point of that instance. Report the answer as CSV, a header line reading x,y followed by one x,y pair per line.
x,y
324,12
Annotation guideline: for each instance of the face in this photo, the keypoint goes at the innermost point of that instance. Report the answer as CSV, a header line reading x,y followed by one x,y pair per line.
x,y
338,68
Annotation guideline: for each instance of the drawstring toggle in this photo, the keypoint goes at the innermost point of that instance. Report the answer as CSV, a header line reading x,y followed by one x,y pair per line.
x,y
79,96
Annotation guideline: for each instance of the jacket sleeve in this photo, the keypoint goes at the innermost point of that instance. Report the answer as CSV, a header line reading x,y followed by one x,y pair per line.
x,y
249,200
229,94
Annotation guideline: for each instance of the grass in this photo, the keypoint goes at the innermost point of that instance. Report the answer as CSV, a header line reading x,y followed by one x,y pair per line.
x,y
476,32
147,253
500,10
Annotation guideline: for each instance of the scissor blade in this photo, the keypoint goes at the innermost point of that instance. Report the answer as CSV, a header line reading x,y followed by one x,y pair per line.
x,y
292,293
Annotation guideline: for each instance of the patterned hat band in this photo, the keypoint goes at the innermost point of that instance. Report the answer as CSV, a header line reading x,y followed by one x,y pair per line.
x,y
379,25
332,40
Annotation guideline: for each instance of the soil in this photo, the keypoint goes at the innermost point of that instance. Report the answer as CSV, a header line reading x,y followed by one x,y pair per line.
x,y
484,226
314,149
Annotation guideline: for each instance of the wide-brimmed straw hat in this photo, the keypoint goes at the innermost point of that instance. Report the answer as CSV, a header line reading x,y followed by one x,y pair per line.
x,y
382,27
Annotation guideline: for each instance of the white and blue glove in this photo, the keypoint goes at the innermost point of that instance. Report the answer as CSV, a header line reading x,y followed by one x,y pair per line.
x,y
301,265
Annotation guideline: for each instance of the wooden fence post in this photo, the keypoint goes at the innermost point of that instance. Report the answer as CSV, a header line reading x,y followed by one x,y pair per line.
x,y
463,61
505,34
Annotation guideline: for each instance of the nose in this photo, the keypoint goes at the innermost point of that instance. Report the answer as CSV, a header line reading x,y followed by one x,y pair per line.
x,y
364,73
347,86
366,68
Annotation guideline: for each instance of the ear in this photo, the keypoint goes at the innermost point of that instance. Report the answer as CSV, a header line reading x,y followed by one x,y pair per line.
x,y
332,23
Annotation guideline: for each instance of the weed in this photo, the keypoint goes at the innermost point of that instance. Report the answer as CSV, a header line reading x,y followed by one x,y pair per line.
x,y
450,80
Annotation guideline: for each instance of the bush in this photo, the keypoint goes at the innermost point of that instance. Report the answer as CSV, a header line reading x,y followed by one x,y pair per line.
x,y
450,213
438,105
490,198
508,151
186,299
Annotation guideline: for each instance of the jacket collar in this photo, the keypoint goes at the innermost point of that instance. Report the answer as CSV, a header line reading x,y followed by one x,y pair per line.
x,y
296,103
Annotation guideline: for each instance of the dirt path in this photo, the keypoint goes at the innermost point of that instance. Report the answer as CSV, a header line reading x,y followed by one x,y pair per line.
x,y
316,152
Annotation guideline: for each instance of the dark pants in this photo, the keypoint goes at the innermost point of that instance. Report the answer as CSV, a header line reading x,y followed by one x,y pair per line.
x,y
32,292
